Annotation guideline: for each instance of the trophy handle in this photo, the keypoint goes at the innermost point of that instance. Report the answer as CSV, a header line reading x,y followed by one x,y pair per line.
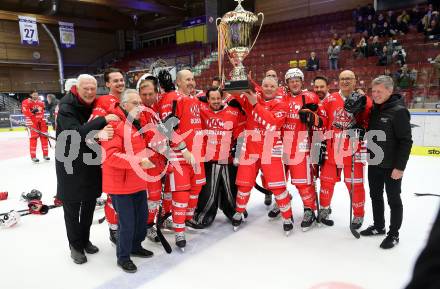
x,y
259,30
217,22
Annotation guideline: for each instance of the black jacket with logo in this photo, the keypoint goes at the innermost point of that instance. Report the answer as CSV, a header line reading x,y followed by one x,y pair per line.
x,y
393,118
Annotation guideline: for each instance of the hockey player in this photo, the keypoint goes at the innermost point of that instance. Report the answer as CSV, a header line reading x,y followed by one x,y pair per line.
x,y
187,174
262,149
33,110
304,116
320,87
341,119
148,91
114,81
221,126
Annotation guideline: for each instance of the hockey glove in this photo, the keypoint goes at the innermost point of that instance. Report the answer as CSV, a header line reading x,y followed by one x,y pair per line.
x,y
310,118
33,195
35,110
234,103
355,103
36,207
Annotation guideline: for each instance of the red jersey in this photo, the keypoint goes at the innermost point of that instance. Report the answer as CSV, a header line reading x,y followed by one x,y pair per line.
x,y
103,105
27,106
338,121
189,128
221,128
265,118
296,133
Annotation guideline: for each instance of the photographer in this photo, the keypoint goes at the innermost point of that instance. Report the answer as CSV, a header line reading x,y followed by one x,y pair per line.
x,y
389,115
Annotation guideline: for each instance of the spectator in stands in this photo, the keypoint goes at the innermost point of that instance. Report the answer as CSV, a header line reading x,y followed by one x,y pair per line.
x,y
359,26
433,30
399,55
415,16
348,42
337,39
380,20
369,23
333,55
216,82
370,10
313,62
391,18
361,49
373,30
375,48
52,103
403,78
387,72
356,13
384,57
401,25
385,30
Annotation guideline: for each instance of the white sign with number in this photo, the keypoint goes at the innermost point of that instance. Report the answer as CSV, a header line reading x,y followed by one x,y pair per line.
x,y
67,34
28,30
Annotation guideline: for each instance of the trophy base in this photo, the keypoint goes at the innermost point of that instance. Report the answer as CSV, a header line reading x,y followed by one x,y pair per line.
x,y
236,86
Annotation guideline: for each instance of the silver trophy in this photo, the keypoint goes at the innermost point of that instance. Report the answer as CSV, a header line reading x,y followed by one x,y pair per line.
x,y
235,31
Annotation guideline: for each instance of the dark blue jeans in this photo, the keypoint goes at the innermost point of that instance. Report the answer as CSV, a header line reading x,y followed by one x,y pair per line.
x,y
132,212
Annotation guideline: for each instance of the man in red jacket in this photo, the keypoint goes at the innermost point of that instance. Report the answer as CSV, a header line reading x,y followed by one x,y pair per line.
x,y
124,178
339,144
33,110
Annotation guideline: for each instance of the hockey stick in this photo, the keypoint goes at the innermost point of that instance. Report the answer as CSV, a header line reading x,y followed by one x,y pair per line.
x,y
34,129
352,229
262,190
424,195
159,223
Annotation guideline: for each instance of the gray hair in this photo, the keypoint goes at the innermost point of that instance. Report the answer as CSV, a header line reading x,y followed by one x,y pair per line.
x,y
126,93
386,80
83,77
270,78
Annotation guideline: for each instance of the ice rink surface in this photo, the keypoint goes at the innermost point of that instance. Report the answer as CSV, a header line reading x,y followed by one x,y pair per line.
x,y
35,253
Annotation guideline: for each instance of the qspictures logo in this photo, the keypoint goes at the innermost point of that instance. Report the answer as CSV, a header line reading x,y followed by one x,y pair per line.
x,y
433,152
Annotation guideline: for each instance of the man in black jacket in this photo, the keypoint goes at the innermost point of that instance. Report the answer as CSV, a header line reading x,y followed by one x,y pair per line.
x,y
78,159
390,116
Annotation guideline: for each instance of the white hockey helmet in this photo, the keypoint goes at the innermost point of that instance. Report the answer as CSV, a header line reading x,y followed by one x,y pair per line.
x,y
294,72
143,77
69,83
10,219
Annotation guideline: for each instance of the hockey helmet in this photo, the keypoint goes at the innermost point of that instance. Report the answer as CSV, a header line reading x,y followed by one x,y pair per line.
x,y
292,73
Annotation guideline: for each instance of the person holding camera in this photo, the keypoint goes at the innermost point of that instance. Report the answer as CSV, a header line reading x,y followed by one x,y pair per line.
x,y
389,115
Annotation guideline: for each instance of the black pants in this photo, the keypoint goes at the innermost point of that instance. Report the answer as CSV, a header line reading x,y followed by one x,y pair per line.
x,y
219,191
427,268
78,217
377,178
132,212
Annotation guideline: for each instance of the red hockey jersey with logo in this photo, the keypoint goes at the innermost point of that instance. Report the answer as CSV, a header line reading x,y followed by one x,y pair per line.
x,y
27,106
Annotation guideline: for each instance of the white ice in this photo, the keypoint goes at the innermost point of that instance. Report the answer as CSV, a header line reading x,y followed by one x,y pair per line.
x,y
35,253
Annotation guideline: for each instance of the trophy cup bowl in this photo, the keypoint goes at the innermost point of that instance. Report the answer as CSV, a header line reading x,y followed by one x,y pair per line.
x,y
235,30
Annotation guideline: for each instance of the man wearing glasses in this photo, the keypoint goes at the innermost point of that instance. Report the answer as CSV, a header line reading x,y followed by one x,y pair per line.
x,y
342,118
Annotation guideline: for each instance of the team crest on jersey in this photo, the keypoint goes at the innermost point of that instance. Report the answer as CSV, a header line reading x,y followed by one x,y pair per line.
x,y
343,119
214,123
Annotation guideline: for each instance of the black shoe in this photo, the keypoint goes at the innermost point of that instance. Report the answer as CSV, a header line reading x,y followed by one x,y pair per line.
x,y
372,231
46,158
35,160
90,248
142,253
389,242
128,266
77,256
114,236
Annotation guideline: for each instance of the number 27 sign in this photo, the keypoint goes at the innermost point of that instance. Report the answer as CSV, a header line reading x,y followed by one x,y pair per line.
x,y
28,30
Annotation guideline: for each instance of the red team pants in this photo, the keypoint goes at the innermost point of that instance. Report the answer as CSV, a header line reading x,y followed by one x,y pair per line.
x,y
185,187
301,175
41,126
274,180
330,174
